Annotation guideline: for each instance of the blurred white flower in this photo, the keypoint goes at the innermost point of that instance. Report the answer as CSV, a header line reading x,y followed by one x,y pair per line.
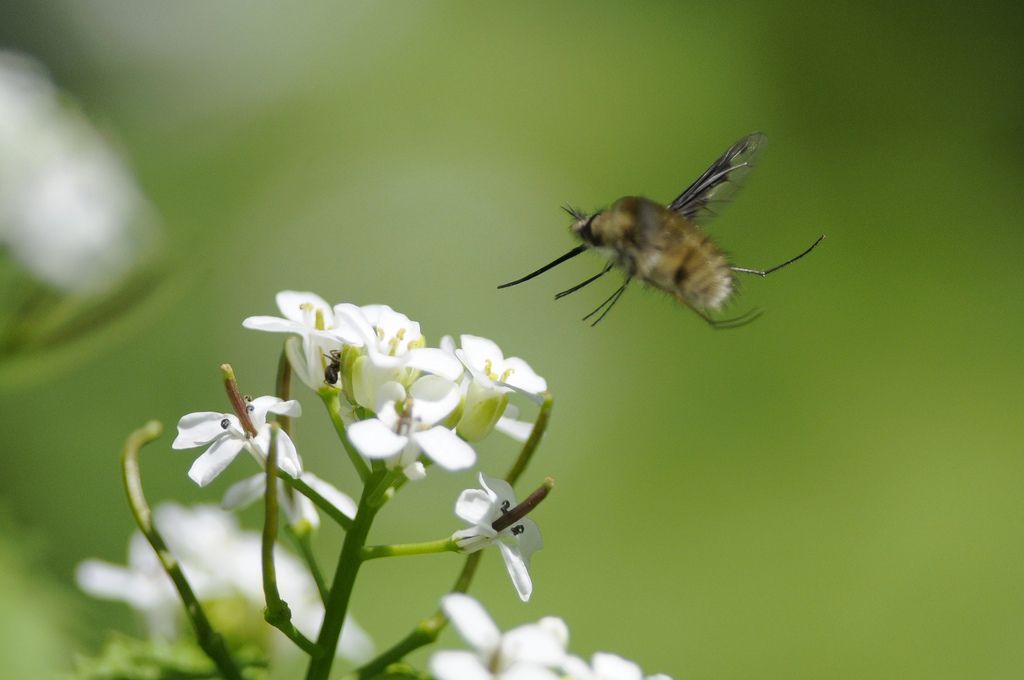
x,y
528,652
309,317
297,508
605,666
70,211
407,424
517,543
226,438
221,563
395,351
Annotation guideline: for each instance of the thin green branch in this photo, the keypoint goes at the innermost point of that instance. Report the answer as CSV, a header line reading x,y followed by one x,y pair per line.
x,y
277,613
209,640
344,579
539,427
372,552
340,518
332,401
305,547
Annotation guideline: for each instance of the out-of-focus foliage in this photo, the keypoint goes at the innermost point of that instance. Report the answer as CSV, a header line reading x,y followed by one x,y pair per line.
x,y
833,491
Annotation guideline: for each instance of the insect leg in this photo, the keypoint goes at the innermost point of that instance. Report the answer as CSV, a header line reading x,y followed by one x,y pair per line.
x,y
607,304
723,324
593,278
766,272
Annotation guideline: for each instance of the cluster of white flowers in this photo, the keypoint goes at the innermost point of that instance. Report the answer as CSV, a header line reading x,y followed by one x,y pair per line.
x,y
535,651
405,404
423,399
220,561
399,407
70,212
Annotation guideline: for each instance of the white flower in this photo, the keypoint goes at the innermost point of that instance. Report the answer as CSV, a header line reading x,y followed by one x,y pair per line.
x,y
605,666
226,438
490,368
407,424
529,652
297,508
486,395
221,563
309,317
70,210
395,351
517,543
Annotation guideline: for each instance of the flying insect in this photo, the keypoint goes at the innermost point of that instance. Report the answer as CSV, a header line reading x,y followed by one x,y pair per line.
x,y
665,247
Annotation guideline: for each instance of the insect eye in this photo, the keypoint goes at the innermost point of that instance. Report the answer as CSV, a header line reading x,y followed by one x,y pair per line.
x,y
586,231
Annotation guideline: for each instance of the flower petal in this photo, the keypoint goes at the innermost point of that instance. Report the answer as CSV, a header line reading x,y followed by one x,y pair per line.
x,y
517,571
501,489
436,361
291,304
199,429
434,398
309,374
290,408
523,378
374,440
445,448
613,666
452,665
517,429
477,351
472,621
338,499
529,540
533,644
475,506
213,461
273,324
241,494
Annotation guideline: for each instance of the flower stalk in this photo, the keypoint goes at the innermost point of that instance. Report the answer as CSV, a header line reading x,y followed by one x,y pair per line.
x,y
277,612
209,640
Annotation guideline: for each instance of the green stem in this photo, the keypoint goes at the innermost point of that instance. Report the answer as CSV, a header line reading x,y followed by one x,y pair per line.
x,y
539,427
305,547
343,520
345,573
329,395
372,552
209,640
277,613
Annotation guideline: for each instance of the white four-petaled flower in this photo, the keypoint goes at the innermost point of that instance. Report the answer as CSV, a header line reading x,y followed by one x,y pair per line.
x,y
528,652
517,543
604,666
226,437
395,351
408,423
319,330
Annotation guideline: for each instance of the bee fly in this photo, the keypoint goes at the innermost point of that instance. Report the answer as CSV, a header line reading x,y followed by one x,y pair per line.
x,y
665,246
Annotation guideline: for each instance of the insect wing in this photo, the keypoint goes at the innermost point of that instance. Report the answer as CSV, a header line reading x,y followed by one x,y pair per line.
x,y
720,182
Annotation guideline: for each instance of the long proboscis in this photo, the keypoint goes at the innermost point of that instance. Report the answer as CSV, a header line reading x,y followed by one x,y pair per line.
x,y
571,254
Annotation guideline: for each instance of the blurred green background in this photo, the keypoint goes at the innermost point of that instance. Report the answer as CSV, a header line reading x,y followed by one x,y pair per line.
x,y
832,492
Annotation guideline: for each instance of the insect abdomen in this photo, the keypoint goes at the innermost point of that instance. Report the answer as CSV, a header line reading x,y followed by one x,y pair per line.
x,y
696,272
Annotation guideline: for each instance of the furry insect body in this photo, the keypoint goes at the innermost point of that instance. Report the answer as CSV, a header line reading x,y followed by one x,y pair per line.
x,y
665,247
661,249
